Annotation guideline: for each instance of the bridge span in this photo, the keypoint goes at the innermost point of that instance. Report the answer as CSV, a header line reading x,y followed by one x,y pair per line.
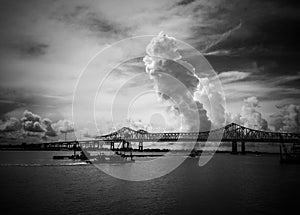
x,y
233,133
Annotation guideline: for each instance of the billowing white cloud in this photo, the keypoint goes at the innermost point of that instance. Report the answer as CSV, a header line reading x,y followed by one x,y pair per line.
x,y
67,34
287,118
250,116
175,80
34,125
212,100
32,122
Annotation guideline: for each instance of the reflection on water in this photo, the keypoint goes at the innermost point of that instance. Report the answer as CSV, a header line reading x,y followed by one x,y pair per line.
x,y
230,184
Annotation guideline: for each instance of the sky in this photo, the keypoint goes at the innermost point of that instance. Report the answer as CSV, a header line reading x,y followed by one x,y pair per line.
x,y
252,46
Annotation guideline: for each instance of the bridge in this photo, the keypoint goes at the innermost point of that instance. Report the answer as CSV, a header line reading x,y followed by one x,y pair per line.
x,y
233,133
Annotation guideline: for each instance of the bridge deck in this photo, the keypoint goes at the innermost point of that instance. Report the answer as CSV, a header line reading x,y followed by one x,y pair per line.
x,y
231,133
226,134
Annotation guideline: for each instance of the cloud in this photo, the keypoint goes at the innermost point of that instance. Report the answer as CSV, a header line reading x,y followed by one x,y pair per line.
x,y
287,118
213,101
84,17
10,125
25,47
31,49
259,33
250,117
137,124
49,130
185,2
222,38
31,122
64,126
175,81
232,76
39,135
29,116
218,53
58,39
86,133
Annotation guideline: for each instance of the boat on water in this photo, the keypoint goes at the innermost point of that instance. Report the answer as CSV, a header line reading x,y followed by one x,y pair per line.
x,y
114,158
80,156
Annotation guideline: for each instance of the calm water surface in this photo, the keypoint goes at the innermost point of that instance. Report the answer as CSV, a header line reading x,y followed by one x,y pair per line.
x,y
31,182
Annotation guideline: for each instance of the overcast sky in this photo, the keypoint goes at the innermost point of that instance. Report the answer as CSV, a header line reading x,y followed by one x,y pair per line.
x,y
44,46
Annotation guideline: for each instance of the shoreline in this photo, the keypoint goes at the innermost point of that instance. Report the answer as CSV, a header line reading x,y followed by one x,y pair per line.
x,y
195,153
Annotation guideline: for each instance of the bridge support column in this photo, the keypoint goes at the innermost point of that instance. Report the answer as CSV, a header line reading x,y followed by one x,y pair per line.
x,y
234,147
140,146
243,147
100,144
112,146
125,145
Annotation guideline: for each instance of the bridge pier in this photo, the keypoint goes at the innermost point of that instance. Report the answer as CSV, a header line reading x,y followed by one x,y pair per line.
x,y
125,145
234,149
140,146
100,144
112,146
243,147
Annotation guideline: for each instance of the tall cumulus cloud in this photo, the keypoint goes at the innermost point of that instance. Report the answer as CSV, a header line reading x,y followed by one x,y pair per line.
x,y
175,81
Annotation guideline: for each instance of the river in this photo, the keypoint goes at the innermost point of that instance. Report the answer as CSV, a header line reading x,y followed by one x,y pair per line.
x,y
33,183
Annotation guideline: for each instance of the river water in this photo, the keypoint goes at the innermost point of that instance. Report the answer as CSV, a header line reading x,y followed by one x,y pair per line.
x,y
31,182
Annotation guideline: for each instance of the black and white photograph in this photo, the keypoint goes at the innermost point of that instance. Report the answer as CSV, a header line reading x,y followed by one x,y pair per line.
x,y
149,107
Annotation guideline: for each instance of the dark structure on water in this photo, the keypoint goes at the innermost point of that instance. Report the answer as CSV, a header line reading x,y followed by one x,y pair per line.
x,y
233,133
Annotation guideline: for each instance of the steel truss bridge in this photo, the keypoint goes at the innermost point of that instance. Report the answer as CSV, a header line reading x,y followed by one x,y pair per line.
x,y
233,133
